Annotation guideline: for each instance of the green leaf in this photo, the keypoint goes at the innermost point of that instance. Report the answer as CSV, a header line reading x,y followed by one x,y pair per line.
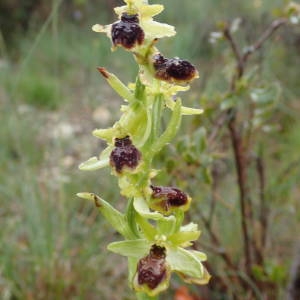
x,y
184,261
266,96
131,248
94,164
113,216
200,140
229,102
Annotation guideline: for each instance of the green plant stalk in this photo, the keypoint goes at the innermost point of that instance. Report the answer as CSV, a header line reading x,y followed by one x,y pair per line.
x,y
156,248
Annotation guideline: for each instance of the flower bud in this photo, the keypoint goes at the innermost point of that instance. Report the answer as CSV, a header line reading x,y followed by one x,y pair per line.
x,y
127,32
173,70
153,273
124,155
165,199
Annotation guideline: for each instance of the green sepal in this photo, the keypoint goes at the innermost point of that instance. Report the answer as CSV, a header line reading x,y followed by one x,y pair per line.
x,y
131,218
140,205
105,134
196,280
130,248
188,111
189,227
184,261
200,255
113,216
94,164
132,263
148,229
167,226
184,238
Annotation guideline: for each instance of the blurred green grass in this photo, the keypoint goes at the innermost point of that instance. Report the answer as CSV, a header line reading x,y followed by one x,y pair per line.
x,y
53,244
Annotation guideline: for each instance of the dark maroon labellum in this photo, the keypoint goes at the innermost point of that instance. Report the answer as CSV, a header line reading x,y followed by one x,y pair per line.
x,y
152,268
170,196
173,69
124,154
127,32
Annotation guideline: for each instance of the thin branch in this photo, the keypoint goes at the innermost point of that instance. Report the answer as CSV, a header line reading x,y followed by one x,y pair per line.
x,y
213,202
238,145
260,167
221,119
245,204
215,240
238,57
263,38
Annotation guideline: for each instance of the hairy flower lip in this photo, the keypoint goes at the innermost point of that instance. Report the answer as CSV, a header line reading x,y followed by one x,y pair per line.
x,y
127,32
166,198
173,70
124,155
130,18
123,142
153,272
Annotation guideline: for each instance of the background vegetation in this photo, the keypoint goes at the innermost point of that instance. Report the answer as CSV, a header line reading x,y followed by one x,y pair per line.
x,y
52,245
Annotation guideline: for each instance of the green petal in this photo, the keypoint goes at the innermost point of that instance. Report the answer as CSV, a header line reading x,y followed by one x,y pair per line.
x,y
94,164
132,248
113,216
184,261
